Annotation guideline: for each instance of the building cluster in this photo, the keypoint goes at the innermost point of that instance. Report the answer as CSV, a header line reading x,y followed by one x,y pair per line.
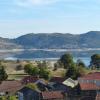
x,y
57,88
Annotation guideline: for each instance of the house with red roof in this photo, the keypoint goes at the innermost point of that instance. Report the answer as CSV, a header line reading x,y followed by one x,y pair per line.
x,y
10,87
90,86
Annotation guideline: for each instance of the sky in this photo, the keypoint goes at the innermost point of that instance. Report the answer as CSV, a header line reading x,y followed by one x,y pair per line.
x,y
19,17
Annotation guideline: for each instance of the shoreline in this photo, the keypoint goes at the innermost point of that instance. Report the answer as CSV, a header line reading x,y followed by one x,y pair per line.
x,y
50,50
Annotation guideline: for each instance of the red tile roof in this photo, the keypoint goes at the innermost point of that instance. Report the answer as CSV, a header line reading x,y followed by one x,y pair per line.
x,y
10,86
87,82
57,79
89,86
52,95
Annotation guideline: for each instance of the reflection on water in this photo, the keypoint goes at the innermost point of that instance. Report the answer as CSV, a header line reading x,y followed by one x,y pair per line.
x,y
47,55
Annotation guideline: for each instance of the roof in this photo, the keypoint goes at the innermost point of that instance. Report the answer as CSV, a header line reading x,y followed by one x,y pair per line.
x,y
10,86
89,86
92,76
29,79
57,79
52,95
70,82
90,81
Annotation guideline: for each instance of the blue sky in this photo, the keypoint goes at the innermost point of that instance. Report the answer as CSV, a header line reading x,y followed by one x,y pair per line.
x,y
18,17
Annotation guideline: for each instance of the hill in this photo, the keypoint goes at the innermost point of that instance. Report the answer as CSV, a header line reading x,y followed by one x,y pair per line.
x,y
55,40
59,40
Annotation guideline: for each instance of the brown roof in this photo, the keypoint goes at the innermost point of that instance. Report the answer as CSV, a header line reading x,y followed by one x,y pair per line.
x,y
89,86
10,86
57,79
52,95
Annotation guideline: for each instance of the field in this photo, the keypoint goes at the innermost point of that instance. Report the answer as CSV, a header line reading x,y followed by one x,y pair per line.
x,y
15,74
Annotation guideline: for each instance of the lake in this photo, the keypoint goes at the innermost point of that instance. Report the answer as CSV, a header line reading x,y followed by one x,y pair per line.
x,y
47,54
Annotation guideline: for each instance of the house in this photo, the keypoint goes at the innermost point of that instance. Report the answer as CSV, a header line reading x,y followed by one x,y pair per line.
x,y
52,95
10,87
90,86
70,82
28,94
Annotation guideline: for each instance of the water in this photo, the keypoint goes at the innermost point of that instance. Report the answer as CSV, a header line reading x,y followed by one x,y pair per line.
x,y
51,55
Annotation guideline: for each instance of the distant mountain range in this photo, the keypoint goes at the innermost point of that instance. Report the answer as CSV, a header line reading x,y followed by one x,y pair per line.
x,y
55,40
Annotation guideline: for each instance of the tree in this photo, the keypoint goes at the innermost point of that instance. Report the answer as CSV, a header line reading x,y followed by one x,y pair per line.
x,y
3,74
44,73
34,71
67,60
31,70
80,63
37,71
73,70
27,68
95,61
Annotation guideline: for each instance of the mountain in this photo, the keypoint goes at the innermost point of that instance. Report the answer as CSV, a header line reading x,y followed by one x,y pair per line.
x,y
55,40
59,40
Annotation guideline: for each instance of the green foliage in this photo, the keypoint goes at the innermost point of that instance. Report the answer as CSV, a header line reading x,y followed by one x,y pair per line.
x,y
44,73
73,70
37,71
95,61
31,70
34,71
67,60
32,86
13,98
8,98
27,68
3,74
